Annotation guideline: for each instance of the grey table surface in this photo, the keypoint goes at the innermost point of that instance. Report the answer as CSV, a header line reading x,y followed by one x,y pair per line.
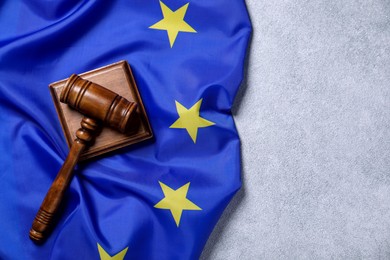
x,y
314,120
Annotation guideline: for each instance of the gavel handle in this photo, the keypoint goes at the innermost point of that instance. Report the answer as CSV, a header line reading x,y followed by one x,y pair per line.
x,y
50,205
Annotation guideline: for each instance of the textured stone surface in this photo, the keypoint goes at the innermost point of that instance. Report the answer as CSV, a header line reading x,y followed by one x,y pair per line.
x,y
314,118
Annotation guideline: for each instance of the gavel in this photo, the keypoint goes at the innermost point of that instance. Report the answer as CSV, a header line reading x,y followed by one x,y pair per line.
x,y
99,106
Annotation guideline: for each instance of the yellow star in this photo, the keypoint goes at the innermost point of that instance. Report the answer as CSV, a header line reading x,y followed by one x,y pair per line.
x,y
190,120
176,201
173,22
105,256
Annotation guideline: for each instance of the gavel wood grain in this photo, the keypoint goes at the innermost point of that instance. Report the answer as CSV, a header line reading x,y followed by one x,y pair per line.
x,y
100,105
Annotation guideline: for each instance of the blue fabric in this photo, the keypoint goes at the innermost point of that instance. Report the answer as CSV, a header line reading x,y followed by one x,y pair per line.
x,y
111,201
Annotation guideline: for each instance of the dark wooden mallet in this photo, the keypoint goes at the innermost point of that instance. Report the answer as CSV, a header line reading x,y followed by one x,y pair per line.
x,y
100,106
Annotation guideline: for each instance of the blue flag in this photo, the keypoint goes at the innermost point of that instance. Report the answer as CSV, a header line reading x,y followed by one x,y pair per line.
x,y
158,199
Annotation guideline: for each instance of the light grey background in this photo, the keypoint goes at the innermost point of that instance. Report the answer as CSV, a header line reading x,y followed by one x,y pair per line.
x,y
313,116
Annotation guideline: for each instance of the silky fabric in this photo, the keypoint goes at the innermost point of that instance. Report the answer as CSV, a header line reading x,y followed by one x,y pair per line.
x,y
111,200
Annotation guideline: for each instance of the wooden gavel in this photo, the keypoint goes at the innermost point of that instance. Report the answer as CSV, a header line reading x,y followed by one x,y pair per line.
x,y
99,105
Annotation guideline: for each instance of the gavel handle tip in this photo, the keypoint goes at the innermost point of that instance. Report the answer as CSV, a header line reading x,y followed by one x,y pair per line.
x,y
36,236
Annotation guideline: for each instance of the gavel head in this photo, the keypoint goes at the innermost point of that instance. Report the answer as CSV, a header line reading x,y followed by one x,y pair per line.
x,y
99,103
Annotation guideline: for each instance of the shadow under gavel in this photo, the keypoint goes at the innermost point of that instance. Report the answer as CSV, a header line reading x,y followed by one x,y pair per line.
x,y
100,106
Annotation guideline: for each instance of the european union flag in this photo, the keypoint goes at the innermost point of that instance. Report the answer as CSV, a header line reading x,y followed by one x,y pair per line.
x,y
156,200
